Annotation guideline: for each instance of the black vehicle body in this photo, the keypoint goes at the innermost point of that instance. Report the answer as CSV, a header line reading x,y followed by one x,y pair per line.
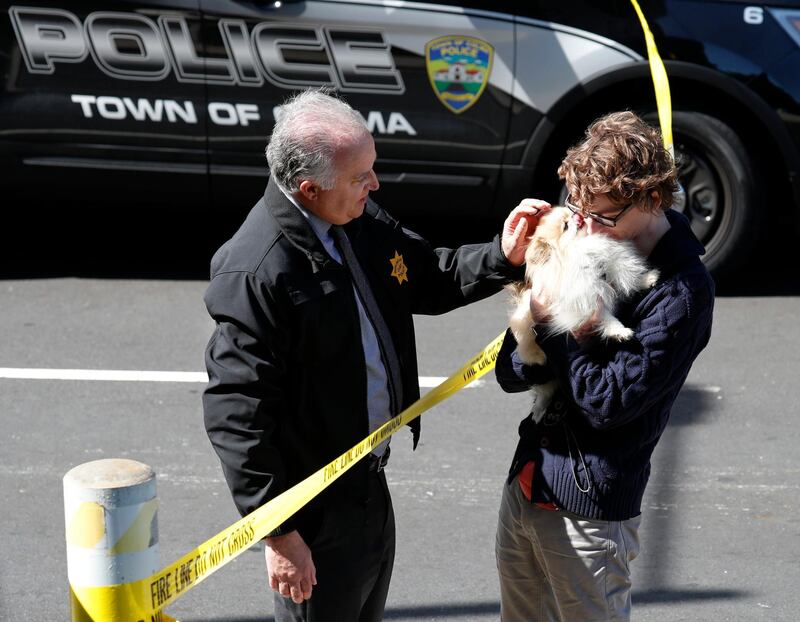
x,y
472,104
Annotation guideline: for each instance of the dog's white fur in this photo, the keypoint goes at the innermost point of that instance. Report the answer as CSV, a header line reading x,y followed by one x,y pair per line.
x,y
583,277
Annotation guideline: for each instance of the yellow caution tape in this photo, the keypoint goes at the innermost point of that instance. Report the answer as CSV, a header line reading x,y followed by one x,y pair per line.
x,y
660,82
142,601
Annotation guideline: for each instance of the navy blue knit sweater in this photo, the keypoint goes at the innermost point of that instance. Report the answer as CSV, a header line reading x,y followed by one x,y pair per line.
x,y
592,450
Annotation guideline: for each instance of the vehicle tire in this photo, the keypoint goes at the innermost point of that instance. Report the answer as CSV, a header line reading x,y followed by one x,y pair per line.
x,y
720,186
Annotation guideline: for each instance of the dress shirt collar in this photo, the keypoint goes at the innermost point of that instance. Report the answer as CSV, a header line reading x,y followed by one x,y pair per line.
x,y
322,228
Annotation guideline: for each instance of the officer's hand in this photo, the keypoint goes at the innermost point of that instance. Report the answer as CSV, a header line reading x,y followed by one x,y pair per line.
x,y
290,568
518,228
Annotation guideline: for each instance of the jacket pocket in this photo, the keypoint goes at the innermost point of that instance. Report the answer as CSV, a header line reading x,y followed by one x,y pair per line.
x,y
321,318
301,293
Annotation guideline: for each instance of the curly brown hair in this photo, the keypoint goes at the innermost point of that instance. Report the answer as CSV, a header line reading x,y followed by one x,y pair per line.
x,y
624,157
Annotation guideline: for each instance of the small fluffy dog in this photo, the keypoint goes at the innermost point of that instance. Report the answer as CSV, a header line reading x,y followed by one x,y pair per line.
x,y
583,277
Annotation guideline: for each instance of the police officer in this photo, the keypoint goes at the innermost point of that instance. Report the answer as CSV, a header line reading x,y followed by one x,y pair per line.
x,y
314,348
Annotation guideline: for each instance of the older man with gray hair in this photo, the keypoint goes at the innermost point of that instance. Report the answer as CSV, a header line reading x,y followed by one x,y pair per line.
x,y
314,348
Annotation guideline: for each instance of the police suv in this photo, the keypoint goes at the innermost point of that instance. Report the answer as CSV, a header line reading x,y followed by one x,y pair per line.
x,y
472,103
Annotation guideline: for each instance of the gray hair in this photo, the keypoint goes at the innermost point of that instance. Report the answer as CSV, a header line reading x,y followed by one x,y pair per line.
x,y
310,128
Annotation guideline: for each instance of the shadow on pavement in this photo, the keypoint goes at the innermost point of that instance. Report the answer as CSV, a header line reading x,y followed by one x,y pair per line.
x,y
770,270
764,279
467,611
694,406
163,242
170,243
654,597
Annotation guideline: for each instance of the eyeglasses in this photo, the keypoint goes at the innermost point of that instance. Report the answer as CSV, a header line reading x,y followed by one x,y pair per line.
x,y
606,221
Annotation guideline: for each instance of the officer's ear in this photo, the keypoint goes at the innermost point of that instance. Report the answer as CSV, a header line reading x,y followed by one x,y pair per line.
x,y
309,190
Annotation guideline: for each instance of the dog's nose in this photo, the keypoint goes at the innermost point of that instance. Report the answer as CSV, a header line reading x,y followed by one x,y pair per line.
x,y
578,220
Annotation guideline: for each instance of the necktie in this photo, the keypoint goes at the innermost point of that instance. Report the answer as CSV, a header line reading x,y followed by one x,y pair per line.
x,y
385,343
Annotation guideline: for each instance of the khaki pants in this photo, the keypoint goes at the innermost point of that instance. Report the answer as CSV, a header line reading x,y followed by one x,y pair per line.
x,y
556,566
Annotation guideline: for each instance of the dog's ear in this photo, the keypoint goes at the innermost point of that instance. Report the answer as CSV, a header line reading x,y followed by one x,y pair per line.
x,y
539,251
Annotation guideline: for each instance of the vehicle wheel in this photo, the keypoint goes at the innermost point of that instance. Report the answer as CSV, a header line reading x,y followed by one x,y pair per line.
x,y
719,183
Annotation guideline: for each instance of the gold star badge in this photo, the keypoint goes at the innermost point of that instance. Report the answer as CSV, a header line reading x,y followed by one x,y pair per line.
x,y
399,270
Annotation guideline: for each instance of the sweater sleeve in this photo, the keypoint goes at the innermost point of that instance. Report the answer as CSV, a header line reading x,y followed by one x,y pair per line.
x,y
616,383
512,374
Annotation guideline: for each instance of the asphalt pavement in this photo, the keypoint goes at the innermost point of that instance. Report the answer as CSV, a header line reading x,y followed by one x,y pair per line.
x,y
720,532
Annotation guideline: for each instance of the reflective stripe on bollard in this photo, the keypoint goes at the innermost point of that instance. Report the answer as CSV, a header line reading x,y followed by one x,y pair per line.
x,y
110,513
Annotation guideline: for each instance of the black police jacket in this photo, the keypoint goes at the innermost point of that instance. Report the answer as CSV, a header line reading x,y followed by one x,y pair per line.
x,y
287,377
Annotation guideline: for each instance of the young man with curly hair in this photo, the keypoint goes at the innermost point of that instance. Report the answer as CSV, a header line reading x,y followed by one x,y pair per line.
x,y
569,518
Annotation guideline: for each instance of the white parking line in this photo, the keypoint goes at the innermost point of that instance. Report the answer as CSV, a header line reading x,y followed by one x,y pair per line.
x,y
125,375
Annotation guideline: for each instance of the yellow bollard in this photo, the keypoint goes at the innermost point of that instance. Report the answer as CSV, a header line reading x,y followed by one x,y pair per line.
x,y
112,536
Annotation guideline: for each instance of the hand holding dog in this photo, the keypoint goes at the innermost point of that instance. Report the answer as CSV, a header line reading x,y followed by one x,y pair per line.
x,y
519,226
